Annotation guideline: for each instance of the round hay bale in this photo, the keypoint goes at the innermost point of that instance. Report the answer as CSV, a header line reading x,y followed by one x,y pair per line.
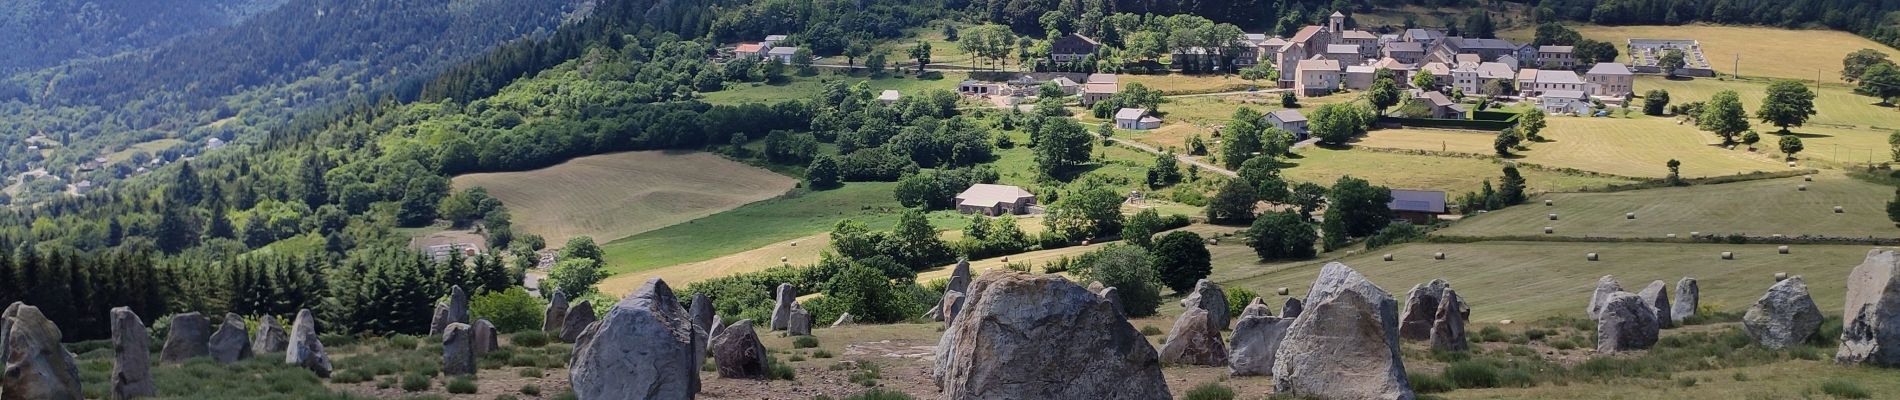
x,y
1782,249
1781,276
1553,216
1802,188
1776,236
1005,258
1671,236
1505,322
1694,234
784,259
794,244
1388,256
1590,256
1282,291
1839,210
1213,241
1484,211
1352,252
1629,215
1547,203
1438,255
1726,255
1790,163
1807,178
1549,230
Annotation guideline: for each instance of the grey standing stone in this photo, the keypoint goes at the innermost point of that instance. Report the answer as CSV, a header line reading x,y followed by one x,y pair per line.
x,y
1688,299
1114,297
1656,296
1448,325
1256,308
1345,345
1208,296
1870,331
782,306
578,317
1292,308
800,323
230,343
951,304
305,349
1028,336
131,356
1421,308
188,336
487,338
1785,316
554,318
959,278
37,366
270,337
440,321
1194,341
458,349
935,314
1256,338
1626,323
1606,286
458,305
718,324
738,353
643,349
843,319
702,311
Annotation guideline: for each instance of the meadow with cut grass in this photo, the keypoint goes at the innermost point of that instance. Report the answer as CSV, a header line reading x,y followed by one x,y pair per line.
x,y
1758,208
617,195
1412,171
806,87
1634,147
1764,51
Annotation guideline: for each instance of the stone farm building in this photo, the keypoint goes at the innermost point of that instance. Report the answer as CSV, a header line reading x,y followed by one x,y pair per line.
x,y
1135,119
1071,48
1417,206
994,200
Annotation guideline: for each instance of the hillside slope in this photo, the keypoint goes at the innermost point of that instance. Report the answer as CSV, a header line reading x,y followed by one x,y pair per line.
x,y
41,33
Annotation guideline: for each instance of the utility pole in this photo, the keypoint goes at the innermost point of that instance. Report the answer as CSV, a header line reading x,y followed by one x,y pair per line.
x,y
1738,65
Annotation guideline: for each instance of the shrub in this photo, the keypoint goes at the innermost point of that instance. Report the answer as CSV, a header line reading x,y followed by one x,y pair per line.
x,y
1150,330
1846,389
1423,383
1237,300
1210,391
402,342
530,338
867,374
512,310
387,382
415,382
1395,233
821,353
1516,377
1685,381
350,376
1129,270
778,370
1472,374
530,372
804,342
531,389
879,394
462,385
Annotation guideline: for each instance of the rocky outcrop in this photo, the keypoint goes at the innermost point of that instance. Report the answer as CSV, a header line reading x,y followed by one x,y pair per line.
x,y
782,306
1345,345
1448,324
1626,323
270,337
1785,316
554,318
1688,298
1257,337
1292,308
1606,286
702,310
643,349
738,353
131,356
800,322
1656,296
37,366
1025,336
1194,341
305,350
230,343
1208,296
1421,308
1870,321
576,320
458,349
487,338
188,336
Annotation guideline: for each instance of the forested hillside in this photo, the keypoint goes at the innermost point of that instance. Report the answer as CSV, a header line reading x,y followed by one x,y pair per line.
x,y
41,33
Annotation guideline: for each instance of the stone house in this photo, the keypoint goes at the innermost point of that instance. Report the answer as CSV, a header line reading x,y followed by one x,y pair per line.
x,y
1556,57
1564,102
1610,80
1419,207
1290,121
1136,119
1073,47
1549,79
1317,77
994,200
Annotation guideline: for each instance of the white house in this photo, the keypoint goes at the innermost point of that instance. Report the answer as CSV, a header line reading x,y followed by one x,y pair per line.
x,y
1565,102
1290,121
1317,77
1610,80
782,54
889,97
1549,79
1135,119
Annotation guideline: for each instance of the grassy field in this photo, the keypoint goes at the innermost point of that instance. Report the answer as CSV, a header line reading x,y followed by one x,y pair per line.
x,y
151,147
1637,146
1771,52
618,195
1843,130
806,87
1451,174
1756,208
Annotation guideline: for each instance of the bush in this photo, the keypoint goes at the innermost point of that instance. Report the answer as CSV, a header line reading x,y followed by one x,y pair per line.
x,y
1844,388
512,310
402,342
1150,330
1129,270
350,376
804,342
530,372
879,394
531,389
1284,235
1423,383
530,338
1210,391
1472,374
1396,233
821,353
462,385
1237,300
415,382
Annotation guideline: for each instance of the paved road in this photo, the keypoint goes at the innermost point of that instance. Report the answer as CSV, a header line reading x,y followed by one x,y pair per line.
x,y
1182,157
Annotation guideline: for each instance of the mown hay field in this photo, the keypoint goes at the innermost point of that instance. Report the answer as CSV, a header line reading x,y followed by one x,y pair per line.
x,y
1634,147
1408,171
1755,208
1770,52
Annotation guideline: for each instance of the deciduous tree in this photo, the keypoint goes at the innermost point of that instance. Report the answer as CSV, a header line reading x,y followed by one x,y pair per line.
x,y
1789,103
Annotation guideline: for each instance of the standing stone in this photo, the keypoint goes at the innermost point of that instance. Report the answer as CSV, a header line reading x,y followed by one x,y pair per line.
x,y
738,353
1421,308
305,350
1292,308
440,321
959,278
951,304
1687,300
37,366
1448,325
843,319
1656,296
1626,323
800,323
643,349
782,308
230,343
702,311
577,319
554,318
1114,298
1256,338
1347,347
270,337
458,305
131,356
1256,308
1194,341
1028,336
187,337
1870,332
487,338
1785,316
458,349
1606,286
1208,296
718,325
935,314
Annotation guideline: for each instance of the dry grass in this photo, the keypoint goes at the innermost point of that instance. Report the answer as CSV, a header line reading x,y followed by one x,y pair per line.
x,y
151,147
1451,174
618,195
1842,131
1639,146
1192,84
1756,208
1770,52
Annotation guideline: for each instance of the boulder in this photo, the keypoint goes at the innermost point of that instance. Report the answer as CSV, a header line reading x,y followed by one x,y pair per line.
x,y
800,323
1257,337
1114,298
1194,341
1208,296
1785,316
702,311
1448,324
1688,298
1256,308
718,324
1870,331
951,304
305,350
487,338
1656,296
131,356
1606,286
959,278
782,307
230,343
843,319
1292,308
1421,306
576,320
37,366
738,353
458,349
270,337
554,318
1626,323
440,320
643,349
1346,346
1025,336
187,338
